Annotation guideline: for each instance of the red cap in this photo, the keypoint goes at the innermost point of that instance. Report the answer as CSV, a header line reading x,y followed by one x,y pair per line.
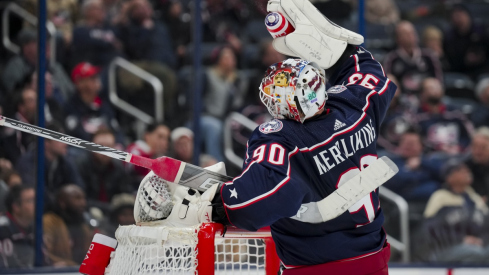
x,y
83,70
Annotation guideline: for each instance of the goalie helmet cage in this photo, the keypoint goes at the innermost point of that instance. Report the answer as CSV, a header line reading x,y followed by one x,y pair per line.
x,y
151,248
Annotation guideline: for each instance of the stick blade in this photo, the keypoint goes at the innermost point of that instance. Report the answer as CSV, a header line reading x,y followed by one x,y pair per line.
x,y
186,174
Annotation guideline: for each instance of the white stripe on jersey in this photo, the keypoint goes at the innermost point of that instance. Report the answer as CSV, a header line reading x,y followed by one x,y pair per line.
x,y
357,66
305,149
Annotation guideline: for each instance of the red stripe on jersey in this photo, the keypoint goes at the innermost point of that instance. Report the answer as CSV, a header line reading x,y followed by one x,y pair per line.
x,y
357,66
385,86
339,178
346,130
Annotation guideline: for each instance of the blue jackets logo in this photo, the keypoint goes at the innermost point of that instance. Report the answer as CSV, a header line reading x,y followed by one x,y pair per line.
x,y
271,126
336,89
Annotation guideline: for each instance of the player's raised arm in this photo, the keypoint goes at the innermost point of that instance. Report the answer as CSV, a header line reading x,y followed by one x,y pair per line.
x,y
348,66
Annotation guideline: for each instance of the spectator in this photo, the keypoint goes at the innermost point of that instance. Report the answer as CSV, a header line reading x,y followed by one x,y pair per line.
x,y
20,67
183,147
86,111
113,9
335,10
16,228
7,181
104,176
454,219
15,143
93,40
398,118
148,45
144,38
225,91
478,162
180,30
466,43
443,128
384,12
223,21
3,194
63,14
58,169
480,116
409,63
418,175
53,110
67,234
433,40
10,178
121,213
155,143
183,144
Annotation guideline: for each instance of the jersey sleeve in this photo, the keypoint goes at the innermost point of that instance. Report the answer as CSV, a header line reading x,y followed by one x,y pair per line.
x,y
268,189
362,84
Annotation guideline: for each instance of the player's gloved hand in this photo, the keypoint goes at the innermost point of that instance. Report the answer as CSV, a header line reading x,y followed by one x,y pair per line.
x,y
156,197
315,38
191,208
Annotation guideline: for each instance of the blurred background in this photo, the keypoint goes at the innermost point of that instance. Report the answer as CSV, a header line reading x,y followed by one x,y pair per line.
x,y
136,74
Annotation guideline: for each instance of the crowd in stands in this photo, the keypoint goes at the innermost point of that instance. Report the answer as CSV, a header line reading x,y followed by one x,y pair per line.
x,y
436,129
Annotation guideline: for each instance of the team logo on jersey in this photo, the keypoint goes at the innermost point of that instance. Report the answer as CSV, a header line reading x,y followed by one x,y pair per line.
x,y
338,124
336,89
271,126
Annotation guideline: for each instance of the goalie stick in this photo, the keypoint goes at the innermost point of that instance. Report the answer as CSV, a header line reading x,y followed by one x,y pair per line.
x,y
192,176
167,168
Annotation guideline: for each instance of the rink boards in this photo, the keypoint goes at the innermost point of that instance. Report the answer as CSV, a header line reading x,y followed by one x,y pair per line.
x,y
392,271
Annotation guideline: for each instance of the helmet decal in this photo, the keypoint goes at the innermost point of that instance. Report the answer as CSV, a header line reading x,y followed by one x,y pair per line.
x,y
282,79
293,89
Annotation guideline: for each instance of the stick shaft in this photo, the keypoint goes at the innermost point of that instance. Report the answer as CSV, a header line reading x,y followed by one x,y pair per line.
x,y
80,143
167,168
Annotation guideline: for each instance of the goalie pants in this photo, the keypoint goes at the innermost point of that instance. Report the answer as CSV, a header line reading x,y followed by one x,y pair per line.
x,y
375,264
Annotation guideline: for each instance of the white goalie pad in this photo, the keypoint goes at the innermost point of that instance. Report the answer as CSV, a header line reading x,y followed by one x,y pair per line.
x,y
315,38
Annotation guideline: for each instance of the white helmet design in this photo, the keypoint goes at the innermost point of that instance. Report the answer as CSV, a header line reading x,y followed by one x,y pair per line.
x,y
294,89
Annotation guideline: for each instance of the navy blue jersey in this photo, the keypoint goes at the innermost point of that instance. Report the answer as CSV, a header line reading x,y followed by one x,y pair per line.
x,y
290,165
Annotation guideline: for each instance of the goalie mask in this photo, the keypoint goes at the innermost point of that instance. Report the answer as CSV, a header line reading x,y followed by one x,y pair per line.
x,y
294,89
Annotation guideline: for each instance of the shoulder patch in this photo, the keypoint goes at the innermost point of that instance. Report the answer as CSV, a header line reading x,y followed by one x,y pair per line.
x,y
271,126
336,89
